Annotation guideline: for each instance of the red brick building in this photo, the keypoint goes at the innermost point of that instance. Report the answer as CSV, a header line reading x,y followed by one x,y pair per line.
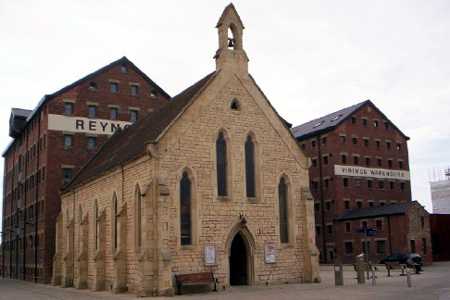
x,y
359,160
50,144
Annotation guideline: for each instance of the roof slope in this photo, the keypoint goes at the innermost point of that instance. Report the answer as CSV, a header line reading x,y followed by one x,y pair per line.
x,y
333,120
132,142
378,211
20,112
99,71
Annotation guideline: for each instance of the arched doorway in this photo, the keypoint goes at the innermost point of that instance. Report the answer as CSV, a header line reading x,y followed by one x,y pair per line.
x,y
238,261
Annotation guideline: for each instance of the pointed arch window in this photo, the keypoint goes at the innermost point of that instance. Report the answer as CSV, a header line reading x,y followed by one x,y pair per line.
x,y
138,217
250,167
185,210
114,221
221,160
283,202
95,224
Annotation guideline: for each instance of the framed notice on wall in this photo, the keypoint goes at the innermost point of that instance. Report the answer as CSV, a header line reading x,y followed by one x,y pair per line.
x,y
210,255
270,253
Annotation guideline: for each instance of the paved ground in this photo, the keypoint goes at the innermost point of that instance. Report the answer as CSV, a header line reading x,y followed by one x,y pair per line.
x,y
433,283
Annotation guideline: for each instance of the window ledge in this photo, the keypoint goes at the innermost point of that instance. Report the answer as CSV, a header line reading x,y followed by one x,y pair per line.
x,y
286,245
253,199
223,198
187,247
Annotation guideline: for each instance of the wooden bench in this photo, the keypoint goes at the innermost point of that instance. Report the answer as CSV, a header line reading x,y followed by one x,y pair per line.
x,y
394,265
195,279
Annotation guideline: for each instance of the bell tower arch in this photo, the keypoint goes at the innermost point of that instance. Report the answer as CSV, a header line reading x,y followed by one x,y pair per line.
x,y
231,54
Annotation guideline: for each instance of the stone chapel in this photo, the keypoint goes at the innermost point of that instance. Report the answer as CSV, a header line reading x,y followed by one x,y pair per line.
x,y
214,180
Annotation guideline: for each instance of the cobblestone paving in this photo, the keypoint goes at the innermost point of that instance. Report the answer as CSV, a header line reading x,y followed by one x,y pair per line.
x,y
433,283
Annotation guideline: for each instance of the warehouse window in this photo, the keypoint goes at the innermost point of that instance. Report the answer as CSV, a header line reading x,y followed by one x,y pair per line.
x,y
93,86
381,247
348,247
250,167
114,87
91,142
283,208
92,111
68,108
67,174
153,94
113,113
133,115
134,90
68,141
221,161
348,227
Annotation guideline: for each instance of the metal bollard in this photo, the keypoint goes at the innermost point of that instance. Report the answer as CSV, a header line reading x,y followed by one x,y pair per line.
x,y
338,272
360,269
374,280
408,277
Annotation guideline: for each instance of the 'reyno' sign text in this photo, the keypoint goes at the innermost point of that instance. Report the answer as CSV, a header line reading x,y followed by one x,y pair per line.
x,y
356,171
85,125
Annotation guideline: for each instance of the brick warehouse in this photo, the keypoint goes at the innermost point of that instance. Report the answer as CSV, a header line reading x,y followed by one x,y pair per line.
x,y
360,162
217,184
50,144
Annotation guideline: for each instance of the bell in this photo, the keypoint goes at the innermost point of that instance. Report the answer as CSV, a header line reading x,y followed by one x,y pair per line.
x,y
230,42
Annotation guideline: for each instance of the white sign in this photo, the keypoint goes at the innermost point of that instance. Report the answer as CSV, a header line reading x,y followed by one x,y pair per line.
x,y
85,125
210,255
370,172
270,253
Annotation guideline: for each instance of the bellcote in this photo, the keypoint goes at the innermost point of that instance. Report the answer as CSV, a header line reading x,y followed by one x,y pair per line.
x,y
231,54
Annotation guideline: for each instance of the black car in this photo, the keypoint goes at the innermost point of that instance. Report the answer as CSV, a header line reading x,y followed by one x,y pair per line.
x,y
402,258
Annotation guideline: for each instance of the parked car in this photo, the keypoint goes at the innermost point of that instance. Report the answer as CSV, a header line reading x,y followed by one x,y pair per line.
x,y
402,258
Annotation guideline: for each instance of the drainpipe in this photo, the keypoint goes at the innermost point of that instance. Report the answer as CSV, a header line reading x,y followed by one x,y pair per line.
x,y
390,235
36,215
24,215
322,210
13,196
3,218
73,237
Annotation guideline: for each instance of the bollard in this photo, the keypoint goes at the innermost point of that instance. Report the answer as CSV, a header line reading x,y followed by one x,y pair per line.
x,y
360,268
338,272
408,277
374,280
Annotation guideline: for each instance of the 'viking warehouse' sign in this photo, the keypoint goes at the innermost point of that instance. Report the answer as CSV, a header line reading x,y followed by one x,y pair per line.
x,y
85,125
355,171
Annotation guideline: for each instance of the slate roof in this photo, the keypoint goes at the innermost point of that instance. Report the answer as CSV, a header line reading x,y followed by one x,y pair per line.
x,y
131,142
333,120
378,211
20,112
123,60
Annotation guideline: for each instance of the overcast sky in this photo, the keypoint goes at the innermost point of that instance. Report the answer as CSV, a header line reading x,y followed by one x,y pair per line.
x,y
310,58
